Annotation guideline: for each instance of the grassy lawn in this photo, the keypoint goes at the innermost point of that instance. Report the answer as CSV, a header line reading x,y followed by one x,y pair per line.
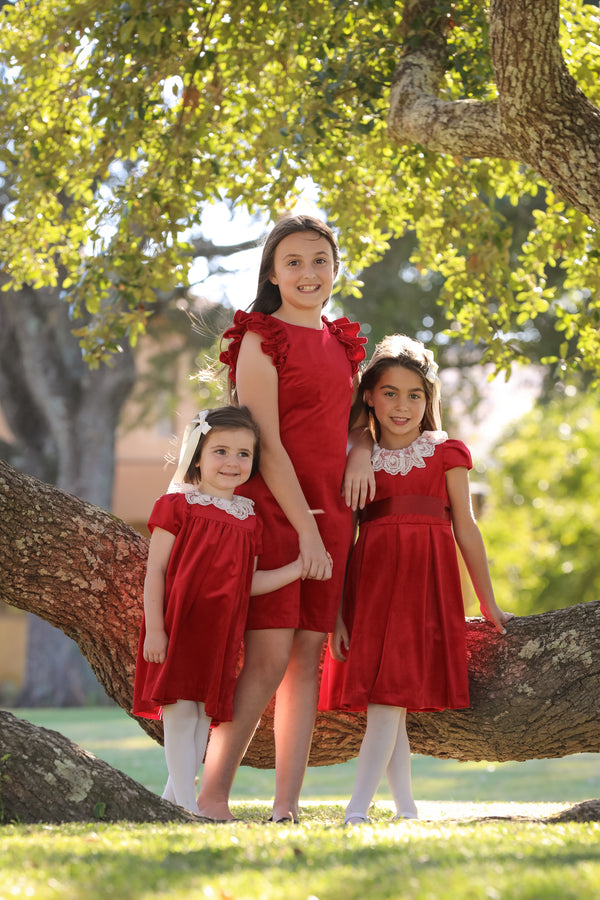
x,y
445,857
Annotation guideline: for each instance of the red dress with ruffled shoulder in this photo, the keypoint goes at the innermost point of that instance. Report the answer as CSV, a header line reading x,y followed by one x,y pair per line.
x,y
207,588
403,602
315,369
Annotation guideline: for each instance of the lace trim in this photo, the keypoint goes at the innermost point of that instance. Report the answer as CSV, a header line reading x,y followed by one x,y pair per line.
x,y
400,462
239,507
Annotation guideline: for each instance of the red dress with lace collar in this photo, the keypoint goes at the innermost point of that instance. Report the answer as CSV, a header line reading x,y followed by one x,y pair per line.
x,y
403,603
315,368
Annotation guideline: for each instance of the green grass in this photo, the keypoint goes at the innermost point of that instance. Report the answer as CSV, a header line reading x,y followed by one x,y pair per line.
x,y
441,859
113,736
318,860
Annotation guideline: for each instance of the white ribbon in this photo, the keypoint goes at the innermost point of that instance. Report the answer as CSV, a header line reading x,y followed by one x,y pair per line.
x,y
432,367
192,434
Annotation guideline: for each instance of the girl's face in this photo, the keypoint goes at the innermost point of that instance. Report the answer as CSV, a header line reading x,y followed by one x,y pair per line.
x,y
398,401
304,270
225,461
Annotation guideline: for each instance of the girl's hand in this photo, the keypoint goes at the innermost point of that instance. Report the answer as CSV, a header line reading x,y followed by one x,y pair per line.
x,y
359,478
339,641
155,646
496,616
316,561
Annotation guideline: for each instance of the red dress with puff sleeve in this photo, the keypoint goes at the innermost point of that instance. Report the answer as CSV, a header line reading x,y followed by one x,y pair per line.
x,y
403,602
315,370
207,587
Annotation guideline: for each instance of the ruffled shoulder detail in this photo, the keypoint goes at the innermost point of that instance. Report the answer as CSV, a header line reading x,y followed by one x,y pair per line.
x,y
347,334
274,344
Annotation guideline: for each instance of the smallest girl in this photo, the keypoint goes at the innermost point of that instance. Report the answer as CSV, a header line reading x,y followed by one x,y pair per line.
x,y
399,640
199,578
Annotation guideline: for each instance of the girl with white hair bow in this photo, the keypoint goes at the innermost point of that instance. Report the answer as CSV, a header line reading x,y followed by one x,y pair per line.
x,y
199,577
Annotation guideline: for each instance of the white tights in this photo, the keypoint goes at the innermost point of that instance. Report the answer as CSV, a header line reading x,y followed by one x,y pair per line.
x,y
186,728
384,748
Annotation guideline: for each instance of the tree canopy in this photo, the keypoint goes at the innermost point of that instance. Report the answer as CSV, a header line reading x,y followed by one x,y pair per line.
x,y
540,522
121,122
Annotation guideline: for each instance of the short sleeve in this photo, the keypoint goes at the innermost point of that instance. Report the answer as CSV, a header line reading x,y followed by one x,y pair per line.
x,y
168,513
456,454
347,334
274,339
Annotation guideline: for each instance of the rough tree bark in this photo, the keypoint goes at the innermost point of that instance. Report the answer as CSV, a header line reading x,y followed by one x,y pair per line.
x,y
540,117
44,777
533,692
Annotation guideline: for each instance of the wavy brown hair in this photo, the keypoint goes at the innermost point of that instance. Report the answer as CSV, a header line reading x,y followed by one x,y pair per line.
x,y
400,350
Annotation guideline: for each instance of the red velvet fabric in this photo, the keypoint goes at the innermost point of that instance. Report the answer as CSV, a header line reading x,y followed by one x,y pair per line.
x,y
403,602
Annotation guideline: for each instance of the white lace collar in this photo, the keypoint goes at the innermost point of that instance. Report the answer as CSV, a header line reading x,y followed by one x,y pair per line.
x,y
240,507
400,462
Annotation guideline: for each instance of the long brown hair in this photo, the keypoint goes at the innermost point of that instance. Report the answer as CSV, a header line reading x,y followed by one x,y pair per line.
x,y
268,298
400,350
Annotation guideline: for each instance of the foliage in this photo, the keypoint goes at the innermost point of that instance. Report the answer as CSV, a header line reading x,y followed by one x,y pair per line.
x,y
541,521
317,860
121,122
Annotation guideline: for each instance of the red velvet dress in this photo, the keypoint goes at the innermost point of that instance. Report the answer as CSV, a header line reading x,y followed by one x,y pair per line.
x,y
403,603
315,369
207,588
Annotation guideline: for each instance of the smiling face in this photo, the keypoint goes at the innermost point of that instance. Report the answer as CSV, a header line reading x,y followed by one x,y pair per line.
x,y
226,461
398,401
304,270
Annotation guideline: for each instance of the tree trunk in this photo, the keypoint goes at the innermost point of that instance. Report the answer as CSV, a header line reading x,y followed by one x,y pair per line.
x,y
64,417
44,777
533,692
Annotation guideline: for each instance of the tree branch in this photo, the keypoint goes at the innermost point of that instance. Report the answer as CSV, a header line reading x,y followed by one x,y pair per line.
x,y
532,692
541,117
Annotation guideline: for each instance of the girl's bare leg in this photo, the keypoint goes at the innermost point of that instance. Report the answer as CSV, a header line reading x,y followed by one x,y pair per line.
x,y
266,654
295,710
374,756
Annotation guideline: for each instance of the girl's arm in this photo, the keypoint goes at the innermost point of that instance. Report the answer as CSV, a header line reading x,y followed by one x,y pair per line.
x,y
469,539
339,639
266,580
359,479
258,389
159,553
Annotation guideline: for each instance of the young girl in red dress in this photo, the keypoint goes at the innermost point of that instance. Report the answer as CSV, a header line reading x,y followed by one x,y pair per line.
x,y
295,370
199,578
399,639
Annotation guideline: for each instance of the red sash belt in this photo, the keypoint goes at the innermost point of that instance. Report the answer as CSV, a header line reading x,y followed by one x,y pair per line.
x,y
411,505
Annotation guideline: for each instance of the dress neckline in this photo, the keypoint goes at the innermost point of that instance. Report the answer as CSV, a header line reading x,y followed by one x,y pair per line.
x,y
402,460
239,507
303,327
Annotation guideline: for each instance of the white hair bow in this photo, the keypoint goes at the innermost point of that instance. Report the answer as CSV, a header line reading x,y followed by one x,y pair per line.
x,y
192,434
431,371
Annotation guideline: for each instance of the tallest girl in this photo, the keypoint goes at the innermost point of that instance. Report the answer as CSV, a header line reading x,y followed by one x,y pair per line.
x,y
296,372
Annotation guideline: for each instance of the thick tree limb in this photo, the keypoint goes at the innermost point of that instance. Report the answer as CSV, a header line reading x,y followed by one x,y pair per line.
x,y
541,118
45,777
533,693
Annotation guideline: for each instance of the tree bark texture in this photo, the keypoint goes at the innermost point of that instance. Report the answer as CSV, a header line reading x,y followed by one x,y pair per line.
x,y
45,777
540,118
533,692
